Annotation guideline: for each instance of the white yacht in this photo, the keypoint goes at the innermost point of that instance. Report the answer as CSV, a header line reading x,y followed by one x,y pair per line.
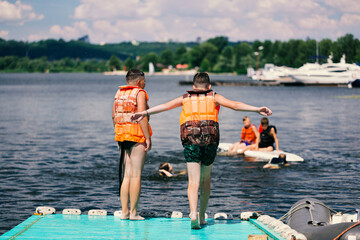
x,y
270,73
329,73
275,73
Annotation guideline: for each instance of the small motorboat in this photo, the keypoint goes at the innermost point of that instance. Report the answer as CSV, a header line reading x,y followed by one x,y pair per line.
x,y
316,221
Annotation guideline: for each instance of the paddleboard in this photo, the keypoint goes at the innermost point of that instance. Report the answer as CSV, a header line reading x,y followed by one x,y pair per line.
x,y
223,149
266,156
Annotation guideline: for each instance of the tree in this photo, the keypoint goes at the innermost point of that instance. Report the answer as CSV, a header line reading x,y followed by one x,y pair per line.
x,y
114,63
325,47
225,62
179,55
240,51
167,57
347,44
219,42
196,56
151,57
129,64
266,52
205,66
210,52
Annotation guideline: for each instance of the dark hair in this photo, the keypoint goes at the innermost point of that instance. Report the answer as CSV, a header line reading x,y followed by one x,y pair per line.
x,y
264,121
245,117
201,79
133,75
283,156
164,166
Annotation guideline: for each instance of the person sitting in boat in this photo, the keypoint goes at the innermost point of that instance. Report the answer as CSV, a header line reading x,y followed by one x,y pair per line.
x,y
166,170
267,136
276,163
249,138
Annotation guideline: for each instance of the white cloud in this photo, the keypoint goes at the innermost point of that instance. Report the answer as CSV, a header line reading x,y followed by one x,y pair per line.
x,y
161,20
188,19
70,32
17,13
348,6
36,37
317,21
350,19
4,34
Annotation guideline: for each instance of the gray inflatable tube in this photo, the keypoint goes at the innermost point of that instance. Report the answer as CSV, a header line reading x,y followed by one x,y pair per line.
x,y
312,218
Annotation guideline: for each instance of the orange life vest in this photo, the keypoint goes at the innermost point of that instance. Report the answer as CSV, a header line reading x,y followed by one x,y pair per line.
x,y
199,118
125,105
248,134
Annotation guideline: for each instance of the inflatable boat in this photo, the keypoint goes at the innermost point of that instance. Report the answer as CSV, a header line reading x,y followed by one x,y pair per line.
x,y
316,221
310,219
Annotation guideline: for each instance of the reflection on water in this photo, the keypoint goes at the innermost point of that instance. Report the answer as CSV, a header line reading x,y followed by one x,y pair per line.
x,y
57,148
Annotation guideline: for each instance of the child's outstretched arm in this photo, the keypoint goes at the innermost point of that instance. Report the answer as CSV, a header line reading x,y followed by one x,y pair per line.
x,y
177,102
239,106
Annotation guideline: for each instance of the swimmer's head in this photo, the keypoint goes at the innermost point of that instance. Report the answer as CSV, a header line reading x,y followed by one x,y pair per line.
x,y
283,157
165,166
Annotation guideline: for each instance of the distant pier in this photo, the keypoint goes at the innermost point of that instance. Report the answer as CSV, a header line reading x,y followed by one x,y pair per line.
x,y
243,80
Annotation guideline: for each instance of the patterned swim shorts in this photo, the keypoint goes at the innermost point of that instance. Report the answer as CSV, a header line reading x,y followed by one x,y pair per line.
x,y
204,154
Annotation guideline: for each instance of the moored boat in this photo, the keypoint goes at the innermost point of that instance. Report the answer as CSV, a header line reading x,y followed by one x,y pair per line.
x,y
316,221
330,73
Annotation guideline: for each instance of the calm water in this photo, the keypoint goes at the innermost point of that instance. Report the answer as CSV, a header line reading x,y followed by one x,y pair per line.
x,y
57,148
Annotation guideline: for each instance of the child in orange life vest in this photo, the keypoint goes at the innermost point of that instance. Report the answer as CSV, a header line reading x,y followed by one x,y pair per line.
x,y
249,138
200,137
134,140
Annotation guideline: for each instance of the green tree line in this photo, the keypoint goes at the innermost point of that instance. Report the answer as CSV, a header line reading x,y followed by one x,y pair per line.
x,y
214,55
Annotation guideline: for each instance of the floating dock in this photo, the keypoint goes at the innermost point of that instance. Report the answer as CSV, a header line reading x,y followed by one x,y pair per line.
x,y
81,226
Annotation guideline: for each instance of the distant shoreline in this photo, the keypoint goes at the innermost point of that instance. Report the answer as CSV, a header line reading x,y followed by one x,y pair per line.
x,y
171,73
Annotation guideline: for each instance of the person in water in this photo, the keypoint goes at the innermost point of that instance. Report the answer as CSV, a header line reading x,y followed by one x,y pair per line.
x,y
134,140
166,170
199,130
249,138
267,136
276,163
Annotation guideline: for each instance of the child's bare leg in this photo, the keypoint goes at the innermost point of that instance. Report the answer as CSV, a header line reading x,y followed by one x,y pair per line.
x,y
137,158
194,170
204,191
234,146
125,186
233,150
267,149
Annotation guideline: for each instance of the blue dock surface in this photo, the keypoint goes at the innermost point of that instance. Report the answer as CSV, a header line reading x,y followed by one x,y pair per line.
x,y
59,226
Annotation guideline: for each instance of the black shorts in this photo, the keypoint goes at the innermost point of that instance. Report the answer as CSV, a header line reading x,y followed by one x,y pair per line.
x,y
126,145
264,145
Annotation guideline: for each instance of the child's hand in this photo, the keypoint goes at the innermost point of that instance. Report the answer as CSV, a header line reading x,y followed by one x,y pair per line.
x,y
265,111
137,117
148,145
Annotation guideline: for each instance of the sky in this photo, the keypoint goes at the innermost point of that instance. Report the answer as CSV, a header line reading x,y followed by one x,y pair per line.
x,y
114,21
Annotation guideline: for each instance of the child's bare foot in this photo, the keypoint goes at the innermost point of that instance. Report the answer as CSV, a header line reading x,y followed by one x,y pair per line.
x,y
194,221
202,221
136,217
124,216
